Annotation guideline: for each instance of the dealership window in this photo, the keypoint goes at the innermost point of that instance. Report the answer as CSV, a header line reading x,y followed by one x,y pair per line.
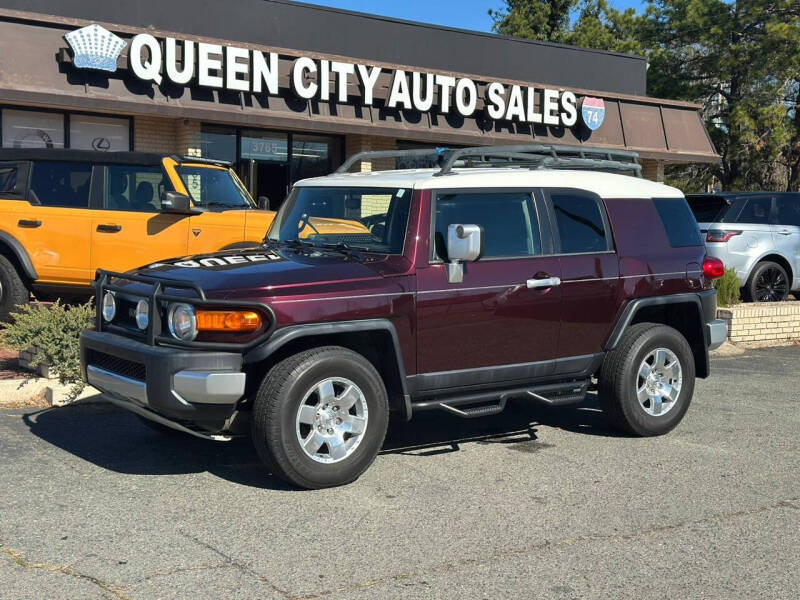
x,y
24,128
313,155
218,143
106,134
32,129
265,146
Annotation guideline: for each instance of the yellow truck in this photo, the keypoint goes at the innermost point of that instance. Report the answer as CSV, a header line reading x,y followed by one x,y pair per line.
x,y
66,213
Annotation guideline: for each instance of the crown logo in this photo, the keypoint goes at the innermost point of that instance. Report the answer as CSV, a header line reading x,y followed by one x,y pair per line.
x,y
95,47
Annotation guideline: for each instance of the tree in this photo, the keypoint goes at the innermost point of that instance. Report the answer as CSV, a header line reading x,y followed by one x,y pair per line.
x,y
739,59
534,19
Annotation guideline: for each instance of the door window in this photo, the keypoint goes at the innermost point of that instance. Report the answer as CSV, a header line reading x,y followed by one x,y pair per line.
x,y
787,211
134,188
508,219
580,222
64,184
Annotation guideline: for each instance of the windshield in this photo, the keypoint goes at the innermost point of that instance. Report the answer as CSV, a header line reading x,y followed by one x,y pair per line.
x,y
214,188
370,219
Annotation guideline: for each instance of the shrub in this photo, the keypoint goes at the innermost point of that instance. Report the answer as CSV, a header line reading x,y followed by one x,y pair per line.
x,y
728,289
55,331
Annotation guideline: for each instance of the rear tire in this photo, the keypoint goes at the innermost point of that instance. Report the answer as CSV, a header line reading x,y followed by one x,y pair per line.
x,y
768,282
320,417
13,292
646,383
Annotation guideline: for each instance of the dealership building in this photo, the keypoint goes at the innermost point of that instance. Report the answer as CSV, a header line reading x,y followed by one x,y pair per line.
x,y
286,90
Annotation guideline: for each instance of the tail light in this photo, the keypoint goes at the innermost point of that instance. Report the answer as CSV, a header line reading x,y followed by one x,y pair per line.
x,y
721,235
713,268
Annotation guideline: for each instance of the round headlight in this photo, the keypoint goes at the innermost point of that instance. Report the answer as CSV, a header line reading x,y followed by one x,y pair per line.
x,y
182,322
109,306
142,314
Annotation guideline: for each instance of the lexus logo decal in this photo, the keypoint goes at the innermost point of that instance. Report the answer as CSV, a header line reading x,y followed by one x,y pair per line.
x,y
102,144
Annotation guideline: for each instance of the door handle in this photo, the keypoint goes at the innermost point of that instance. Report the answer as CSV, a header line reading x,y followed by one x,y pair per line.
x,y
785,232
537,284
29,224
109,228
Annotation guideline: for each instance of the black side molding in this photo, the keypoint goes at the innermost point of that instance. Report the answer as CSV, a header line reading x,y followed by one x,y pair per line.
x,y
20,253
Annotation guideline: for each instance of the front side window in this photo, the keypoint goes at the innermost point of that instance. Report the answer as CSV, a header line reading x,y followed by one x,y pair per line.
x,y
56,183
134,188
508,219
214,188
579,221
787,211
369,219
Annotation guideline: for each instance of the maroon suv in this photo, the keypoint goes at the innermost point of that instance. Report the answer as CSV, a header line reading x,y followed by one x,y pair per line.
x,y
510,272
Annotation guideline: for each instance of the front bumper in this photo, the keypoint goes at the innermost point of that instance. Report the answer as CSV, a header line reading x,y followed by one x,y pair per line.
x,y
188,386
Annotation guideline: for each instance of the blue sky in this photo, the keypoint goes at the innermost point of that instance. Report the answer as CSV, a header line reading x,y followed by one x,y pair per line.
x,y
466,14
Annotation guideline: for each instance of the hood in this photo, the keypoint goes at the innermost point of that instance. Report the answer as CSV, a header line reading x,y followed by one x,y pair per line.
x,y
280,270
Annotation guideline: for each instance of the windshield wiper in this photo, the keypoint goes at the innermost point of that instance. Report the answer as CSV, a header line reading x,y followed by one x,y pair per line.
x,y
354,251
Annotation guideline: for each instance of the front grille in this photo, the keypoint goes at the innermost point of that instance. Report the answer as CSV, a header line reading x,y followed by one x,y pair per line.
x,y
120,366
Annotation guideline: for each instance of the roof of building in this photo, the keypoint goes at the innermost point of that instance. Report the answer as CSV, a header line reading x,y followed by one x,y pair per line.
x,y
605,185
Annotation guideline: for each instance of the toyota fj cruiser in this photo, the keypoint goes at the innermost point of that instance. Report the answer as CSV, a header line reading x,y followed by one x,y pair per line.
x,y
507,272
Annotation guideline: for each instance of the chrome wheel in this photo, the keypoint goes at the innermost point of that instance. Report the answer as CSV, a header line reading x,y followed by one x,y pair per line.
x,y
331,420
659,381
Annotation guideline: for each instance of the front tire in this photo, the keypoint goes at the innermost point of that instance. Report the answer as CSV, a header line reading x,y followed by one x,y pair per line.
x,y
13,292
646,383
320,417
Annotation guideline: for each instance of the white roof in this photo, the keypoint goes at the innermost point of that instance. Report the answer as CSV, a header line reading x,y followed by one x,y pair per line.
x,y
605,185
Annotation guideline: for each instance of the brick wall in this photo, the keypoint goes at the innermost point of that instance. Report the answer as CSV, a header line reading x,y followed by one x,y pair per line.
x,y
155,134
365,143
778,322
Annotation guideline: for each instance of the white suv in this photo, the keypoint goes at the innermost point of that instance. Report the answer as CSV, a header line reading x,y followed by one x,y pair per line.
x,y
758,235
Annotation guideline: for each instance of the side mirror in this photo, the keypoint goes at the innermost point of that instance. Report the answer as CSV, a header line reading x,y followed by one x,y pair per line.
x,y
174,202
464,244
263,203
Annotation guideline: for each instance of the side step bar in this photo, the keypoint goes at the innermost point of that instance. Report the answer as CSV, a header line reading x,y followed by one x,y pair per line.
x,y
484,404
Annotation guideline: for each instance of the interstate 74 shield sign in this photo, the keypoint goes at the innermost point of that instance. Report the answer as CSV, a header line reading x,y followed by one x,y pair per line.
x,y
593,111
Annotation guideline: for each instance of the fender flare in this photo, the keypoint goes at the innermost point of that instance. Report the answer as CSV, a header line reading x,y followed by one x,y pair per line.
x,y
21,254
633,307
284,335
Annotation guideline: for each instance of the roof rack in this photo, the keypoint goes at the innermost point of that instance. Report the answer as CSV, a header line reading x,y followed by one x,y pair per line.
x,y
532,156
435,153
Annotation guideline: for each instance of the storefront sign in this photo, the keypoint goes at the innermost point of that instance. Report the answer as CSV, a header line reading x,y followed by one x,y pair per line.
x,y
186,62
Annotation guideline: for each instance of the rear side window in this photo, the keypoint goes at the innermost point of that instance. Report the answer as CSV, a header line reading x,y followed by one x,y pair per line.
x,y
787,211
580,222
508,219
708,209
756,211
678,221
56,183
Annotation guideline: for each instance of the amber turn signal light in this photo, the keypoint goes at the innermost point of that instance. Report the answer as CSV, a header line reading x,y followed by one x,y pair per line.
x,y
242,321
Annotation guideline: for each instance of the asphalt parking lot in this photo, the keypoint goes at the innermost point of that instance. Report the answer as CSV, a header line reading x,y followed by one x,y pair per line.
x,y
533,503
